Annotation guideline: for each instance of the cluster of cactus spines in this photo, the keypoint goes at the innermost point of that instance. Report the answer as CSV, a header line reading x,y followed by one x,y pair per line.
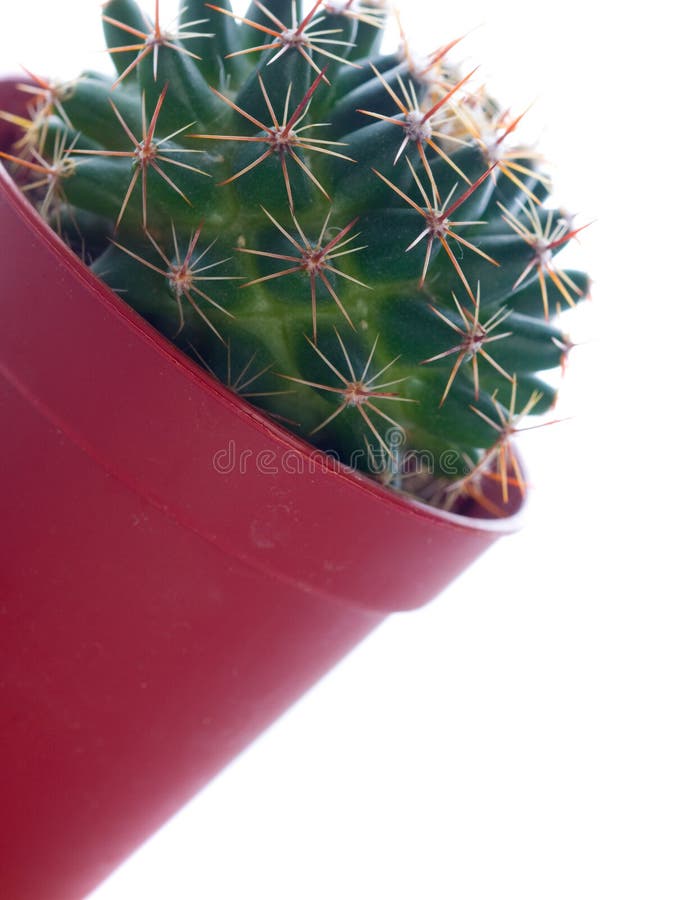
x,y
352,240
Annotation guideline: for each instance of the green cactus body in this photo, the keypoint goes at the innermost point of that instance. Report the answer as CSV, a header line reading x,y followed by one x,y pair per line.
x,y
347,242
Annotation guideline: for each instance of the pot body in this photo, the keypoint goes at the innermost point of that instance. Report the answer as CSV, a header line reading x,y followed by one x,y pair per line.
x,y
175,570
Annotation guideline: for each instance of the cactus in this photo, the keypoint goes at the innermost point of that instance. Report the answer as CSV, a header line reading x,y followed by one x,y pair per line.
x,y
353,241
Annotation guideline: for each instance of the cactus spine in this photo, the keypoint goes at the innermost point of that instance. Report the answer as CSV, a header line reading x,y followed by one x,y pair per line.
x,y
351,240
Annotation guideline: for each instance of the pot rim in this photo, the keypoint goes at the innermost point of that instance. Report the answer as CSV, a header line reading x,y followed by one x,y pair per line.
x,y
157,342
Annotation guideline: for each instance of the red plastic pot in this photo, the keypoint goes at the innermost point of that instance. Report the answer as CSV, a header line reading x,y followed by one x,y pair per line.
x,y
159,611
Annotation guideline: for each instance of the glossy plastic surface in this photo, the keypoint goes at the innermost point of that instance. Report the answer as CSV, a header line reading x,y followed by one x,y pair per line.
x,y
175,570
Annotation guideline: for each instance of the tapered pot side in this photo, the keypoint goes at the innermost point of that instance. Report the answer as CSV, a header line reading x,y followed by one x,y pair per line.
x,y
175,569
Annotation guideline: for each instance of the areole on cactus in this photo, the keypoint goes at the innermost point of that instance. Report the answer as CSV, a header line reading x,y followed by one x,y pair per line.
x,y
353,241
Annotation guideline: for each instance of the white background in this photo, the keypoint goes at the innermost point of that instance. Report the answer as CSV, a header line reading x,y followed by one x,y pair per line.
x,y
521,736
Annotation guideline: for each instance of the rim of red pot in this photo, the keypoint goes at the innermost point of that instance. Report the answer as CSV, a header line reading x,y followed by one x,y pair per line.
x,y
161,345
